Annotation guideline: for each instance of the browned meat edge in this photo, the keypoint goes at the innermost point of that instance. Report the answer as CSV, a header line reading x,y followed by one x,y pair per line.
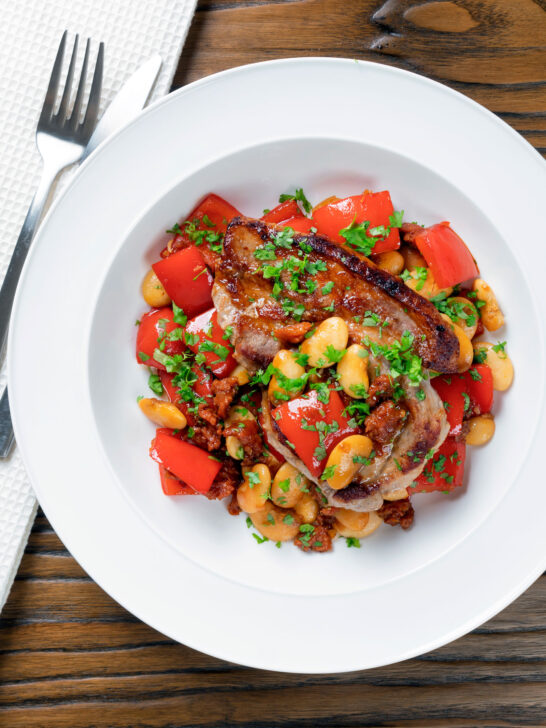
x,y
438,351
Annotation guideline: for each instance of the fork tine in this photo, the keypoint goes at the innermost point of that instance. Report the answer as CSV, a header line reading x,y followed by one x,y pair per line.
x,y
75,115
61,115
51,93
92,111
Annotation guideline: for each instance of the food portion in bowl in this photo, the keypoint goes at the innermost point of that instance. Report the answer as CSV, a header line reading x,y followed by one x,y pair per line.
x,y
318,366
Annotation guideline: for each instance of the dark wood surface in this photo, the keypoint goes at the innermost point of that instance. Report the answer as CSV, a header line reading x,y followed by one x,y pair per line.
x,y
71,657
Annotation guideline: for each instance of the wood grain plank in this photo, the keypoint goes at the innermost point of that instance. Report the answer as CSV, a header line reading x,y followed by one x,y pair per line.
x,y
166,656
70,657
182,679
45,542
37,600
50,566
309,705
494,63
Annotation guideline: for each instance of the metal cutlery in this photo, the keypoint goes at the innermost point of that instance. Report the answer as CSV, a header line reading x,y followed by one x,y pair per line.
x,y
129,100
61,138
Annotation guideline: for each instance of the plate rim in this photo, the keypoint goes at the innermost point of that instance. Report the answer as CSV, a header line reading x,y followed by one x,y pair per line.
x,y
165,101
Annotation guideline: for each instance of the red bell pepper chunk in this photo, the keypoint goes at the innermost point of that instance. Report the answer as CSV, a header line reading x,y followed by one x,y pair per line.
x,y
187,280
375,207
217,210
284,211
155,326
470,393
189,463
171,485
297,421
299,224
212,215
201,388
450,390
204,336
446,254
479,385
444,471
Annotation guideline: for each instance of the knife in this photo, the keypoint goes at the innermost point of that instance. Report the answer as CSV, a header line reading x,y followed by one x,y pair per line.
x,y
129,100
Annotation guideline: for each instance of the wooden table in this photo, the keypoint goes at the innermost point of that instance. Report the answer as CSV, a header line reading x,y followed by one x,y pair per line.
x,y
71,657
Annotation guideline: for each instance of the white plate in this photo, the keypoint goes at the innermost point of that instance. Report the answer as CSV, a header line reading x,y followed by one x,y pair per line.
x,y
183,565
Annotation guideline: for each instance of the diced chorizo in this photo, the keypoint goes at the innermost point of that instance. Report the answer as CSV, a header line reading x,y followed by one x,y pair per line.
x,y
385,422
226,482
293,333
223,391
380,390
320,537
248,433
396,513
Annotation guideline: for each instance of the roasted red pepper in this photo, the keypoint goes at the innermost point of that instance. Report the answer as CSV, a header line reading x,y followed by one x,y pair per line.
x,y
299,224
282,212
444,471
312,428
155,326
212,213
451,389
479,385
187,280
446,254
467,394
204,336
374,207
189,463
171,485
201,388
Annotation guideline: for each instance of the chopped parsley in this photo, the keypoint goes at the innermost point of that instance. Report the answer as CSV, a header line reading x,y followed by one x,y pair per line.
x,y
154,382
352,542
190,339
356,236
328,472
221,351
499,348
327,288
362,460
179,317
334,355
260,539
421,275
306,531
480,355
456,310
357,411
253,478
299,196
401,357
323,391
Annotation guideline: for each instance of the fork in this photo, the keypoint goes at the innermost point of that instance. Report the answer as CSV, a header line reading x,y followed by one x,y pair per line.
x,y
61,139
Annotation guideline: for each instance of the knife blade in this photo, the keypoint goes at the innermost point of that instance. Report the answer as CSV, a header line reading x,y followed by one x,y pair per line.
x,y
129,100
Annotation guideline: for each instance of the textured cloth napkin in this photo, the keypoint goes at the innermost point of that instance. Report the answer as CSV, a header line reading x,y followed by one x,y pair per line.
x,y
132,31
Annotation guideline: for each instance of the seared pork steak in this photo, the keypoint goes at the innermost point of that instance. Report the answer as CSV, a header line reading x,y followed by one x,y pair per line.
x,y
269,279
244,300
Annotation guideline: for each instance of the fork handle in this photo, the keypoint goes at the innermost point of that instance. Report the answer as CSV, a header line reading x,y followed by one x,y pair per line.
x,y
7,438
34,214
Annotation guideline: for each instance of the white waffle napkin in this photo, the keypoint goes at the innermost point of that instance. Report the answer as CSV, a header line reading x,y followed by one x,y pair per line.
x,y
132,30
